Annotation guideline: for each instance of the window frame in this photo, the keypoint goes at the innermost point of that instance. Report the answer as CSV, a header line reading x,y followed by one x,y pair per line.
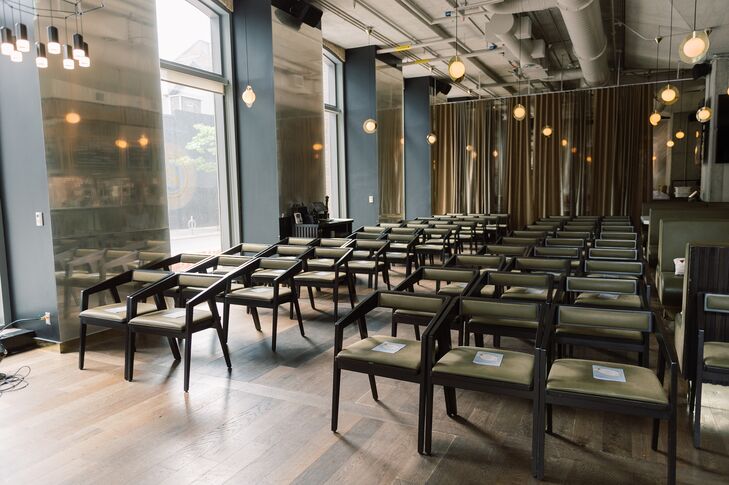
x,y
338,173
176,73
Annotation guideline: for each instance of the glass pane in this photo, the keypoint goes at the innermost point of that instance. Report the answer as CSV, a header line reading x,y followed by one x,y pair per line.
x,y
191,161
331,162
188,35
330,82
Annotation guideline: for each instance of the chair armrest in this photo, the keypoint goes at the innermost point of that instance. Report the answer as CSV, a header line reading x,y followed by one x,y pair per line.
x,y
667,349
234,250
203,265
288,274
440,331
210,292
111,283
356,315
147,291
408,283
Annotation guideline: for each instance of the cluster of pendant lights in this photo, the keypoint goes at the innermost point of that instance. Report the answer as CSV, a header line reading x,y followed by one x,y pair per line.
x,y
693,49
14,43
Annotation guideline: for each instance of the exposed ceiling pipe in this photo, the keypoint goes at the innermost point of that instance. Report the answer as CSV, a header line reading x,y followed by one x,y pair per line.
x,y
583,20
554,77
419,45
480,52
504,27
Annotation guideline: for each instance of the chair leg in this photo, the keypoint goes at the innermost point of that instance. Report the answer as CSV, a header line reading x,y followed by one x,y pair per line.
x,y
130,354
671,452
298,316
274,326
223,344
478,339
450,401
256,318
336,301
335,397
697,413
497,341
174,348
466,338
428,420
539,454
369,281
386,278
549,418
421,416
654,433
81,346
373,387
535,436
393,330
188,359
311,297
417,331
291,310
352,292
692,396
226,319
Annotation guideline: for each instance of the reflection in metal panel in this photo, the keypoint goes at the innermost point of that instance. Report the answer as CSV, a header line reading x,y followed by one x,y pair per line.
x,y
390,146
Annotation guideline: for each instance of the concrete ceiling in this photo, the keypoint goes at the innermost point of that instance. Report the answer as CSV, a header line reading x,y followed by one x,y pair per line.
x,y
630,26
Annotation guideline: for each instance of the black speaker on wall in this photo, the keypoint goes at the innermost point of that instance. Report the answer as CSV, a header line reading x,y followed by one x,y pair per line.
x,y
299,12
721,115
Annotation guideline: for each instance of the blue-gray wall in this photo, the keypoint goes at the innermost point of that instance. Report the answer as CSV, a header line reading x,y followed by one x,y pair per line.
x,y
256,125
360,103
417,150
24,190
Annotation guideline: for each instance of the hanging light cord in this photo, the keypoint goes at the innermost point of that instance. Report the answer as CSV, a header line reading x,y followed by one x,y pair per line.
x,y
695,15
248,72
669,44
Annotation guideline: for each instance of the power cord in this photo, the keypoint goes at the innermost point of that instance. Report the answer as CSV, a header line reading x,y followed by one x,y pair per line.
x,y
16,381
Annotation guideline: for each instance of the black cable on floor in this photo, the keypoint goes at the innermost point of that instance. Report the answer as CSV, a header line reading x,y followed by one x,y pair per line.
x,y
16,381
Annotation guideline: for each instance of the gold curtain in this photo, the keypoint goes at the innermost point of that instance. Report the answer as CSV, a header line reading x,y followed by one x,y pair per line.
x,y
597,160
390,160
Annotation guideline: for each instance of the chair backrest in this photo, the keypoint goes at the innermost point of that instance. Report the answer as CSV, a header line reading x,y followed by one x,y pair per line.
x,y
674,235
192,258
460,275
617,254
373,229
301,241
478,261
574,234
437,233
276,263
525,280
417,226
335,253
539,227
486,307
410,301
253,248
149,275
289,250
615,244
371,245
579,227
617,228
564,242
615,268
611,286
716,303
146,257
230,260
616,235
411,231
390,225
198,280
334,242
542,265
557,252
519,241
507,250
530,234
580,316
366,235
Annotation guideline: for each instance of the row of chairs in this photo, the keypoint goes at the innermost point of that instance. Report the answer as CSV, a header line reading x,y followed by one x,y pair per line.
x,y
541,375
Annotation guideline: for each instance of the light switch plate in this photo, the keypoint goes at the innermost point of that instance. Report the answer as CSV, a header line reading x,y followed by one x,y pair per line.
x,y
371,199
39,219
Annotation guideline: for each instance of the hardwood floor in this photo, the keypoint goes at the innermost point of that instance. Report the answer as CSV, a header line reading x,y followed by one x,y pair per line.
x,y
268,421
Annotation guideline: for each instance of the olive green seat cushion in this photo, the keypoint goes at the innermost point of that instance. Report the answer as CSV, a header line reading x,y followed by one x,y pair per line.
x,y
515,368
520,293
116,312
716,354
575,376
169,319
597,299
406,358
262,293
316,276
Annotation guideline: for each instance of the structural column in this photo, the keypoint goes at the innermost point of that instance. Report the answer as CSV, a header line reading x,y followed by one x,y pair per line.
x,y
256,127
715,176
360,103
417,150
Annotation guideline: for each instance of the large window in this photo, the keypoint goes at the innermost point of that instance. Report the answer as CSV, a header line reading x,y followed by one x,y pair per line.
x,y
194,96
333,134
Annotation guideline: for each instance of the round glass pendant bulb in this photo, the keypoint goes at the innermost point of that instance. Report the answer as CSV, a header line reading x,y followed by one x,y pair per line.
x,y
547,131
431,138
694,47
16,56
670,143
680,134
121,143
495,153
456,68
519,112
6,41
248,96
369,126
655,118
41,62
703,114
143,141
54,46
564,142
73,118
669,94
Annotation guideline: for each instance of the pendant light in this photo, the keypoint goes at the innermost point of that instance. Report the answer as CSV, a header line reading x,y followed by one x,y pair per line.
x,y
22,44
670,143
547,131
669,94
655,116
370,124
703,114
41,60
248,96
54,47
695,45
85,61
16,56
519,112
431,138
680,134
78,46
68,63
6,41
456,67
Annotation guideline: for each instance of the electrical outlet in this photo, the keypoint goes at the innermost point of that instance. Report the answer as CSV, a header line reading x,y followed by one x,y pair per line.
x,y
47,318
39,219
371,199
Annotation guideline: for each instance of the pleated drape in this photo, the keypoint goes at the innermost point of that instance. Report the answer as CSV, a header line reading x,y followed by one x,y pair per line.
x,y
390,158
597,160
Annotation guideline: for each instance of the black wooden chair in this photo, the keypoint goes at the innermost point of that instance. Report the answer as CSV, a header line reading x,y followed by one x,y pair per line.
x,y
334,275
268,295
574,383
516,374
370,258
178,323
712,358
363,355
114,315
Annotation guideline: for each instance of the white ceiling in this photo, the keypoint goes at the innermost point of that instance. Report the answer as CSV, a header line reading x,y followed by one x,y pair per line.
x,y
397,22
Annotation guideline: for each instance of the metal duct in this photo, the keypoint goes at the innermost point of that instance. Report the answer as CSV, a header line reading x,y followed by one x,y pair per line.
x,y
504,27
583,20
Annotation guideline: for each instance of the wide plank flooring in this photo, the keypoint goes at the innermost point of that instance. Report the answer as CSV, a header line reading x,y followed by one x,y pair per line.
x,y
268,420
